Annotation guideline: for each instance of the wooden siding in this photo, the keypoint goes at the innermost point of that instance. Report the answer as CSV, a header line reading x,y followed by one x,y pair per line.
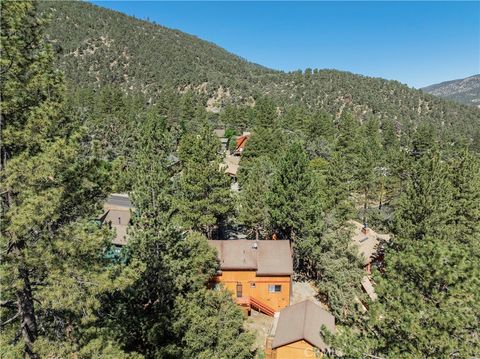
x,y
257,287
296,350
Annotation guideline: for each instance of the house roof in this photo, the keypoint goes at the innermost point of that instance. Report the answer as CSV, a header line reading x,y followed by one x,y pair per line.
x,y
232,159
230,165
240,143
219,132
231,169
302,321
268,258
367,243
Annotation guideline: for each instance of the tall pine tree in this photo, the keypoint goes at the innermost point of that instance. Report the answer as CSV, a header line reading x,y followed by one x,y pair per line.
x,y
204,201
53,268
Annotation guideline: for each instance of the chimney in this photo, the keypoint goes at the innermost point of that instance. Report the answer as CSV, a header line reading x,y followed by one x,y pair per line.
x,y
365,229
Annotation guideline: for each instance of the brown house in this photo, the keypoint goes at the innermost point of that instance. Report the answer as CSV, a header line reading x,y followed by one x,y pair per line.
x,y
368,243
296,331
240,143
257,273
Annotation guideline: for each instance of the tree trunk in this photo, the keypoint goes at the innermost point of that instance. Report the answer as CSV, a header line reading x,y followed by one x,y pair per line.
x,y
26,309
365,205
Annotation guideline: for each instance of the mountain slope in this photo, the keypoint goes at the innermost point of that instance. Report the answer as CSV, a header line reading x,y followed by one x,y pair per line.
x,y
465,90
97,46
101,46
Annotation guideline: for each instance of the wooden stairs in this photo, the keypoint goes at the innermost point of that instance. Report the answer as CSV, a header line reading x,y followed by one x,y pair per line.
x,y
261,307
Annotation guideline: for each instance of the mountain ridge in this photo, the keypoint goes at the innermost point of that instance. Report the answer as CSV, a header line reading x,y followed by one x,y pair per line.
x,y
465,90
98,47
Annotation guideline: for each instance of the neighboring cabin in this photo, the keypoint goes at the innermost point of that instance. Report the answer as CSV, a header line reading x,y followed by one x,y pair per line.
x,y
257,273
369,245
295,333
240,143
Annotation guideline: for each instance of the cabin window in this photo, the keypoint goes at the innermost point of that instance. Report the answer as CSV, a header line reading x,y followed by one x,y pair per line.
x,y
274,288
239,290
252,284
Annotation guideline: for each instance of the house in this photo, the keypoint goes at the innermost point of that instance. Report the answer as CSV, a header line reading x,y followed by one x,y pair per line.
x,y
296,332
240,143
231,165
368,243
220,133
258,273
118,212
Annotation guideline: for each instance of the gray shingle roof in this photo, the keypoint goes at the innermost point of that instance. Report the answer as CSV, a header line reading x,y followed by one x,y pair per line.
x,y
368,244
302,321
268,258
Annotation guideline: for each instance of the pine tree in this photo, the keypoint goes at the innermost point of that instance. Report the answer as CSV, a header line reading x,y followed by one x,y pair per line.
x,y
339,185
429,293
163,304
53,269
265,113
212,326
368,172
252,206
466,196
173,264
204,200
290,202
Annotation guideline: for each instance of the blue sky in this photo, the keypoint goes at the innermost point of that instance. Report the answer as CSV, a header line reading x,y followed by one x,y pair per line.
x,y
417,43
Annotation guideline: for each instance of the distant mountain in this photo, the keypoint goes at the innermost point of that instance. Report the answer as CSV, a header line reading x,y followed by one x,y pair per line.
x,y
465,90
98,47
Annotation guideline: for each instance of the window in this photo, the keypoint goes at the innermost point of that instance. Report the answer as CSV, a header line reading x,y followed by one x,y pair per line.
x,y
252,284
239,290
274,288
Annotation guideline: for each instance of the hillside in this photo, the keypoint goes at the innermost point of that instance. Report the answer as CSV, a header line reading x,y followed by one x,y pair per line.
x,y
465,90
97,46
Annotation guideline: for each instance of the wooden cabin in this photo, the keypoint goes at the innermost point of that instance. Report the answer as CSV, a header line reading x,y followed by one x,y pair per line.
x,y
369,244
240,143
257,273
295,332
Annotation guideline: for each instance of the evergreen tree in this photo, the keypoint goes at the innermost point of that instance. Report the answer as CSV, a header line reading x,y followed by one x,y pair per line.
x,y
211,326
368,173
431,267
53,269
173,264
290,202
265,141
204,200
466,194
331,261
252,206
339,185
265,113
